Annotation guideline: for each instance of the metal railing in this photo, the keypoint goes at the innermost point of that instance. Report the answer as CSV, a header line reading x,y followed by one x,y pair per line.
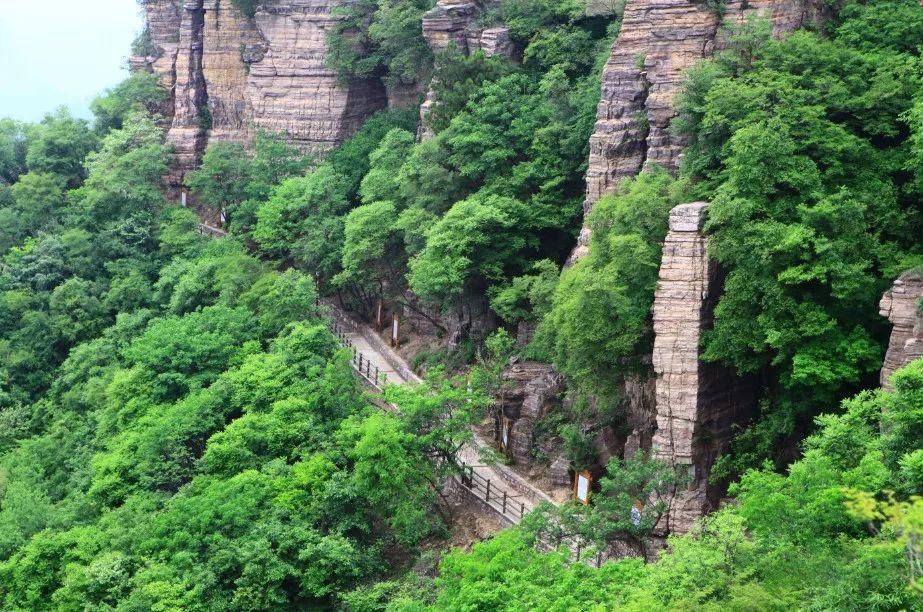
x,y
210,230
361,363
509,506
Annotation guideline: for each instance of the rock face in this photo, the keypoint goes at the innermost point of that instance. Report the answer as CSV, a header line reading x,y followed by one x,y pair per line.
x,y
533,390
230,75
696,403
903,306
454,23
658,41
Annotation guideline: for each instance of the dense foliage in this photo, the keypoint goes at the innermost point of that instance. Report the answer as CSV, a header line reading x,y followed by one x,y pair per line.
x,y
824,536
805,146
178,427
381,38
180,430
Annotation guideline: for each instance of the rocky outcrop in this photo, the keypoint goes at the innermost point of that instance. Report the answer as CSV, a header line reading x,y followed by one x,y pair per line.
x,y
641,412
903,306
531,391
658,41
163,25
291,89
230,75
454,24
696,403
188,132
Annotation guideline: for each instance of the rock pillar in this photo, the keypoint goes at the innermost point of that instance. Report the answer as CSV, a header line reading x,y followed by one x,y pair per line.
x,y
697,403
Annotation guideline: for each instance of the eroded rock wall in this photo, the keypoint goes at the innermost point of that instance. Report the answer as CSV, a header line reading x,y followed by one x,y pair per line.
x,y
291,89
230,75
903,306
658,41
697,403
455,24
533,390
231,43
188,132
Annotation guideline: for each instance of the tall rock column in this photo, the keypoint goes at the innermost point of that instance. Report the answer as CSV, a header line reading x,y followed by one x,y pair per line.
x,y
903,306
163,19
189,130
658,41
697,403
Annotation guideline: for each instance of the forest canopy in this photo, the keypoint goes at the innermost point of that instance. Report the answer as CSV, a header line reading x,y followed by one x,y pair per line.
x,y
179,428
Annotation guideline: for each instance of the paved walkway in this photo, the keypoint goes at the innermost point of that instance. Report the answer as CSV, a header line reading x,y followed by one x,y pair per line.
x,y
495,486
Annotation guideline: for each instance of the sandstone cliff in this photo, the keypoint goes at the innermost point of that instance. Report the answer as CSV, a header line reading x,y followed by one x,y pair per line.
x,y
696,403
903,306
454,24
230,75
658,41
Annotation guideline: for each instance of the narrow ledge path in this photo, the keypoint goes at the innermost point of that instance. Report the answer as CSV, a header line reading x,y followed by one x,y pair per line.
x,y
496,487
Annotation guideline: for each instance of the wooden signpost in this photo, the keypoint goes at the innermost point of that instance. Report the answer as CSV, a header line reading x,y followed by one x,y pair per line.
x,y
380,316
583,482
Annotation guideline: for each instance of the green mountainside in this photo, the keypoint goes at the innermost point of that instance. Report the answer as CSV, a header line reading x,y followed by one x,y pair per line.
x,y
180,430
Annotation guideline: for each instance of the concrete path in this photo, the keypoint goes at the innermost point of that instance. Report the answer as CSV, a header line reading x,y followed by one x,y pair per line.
x,y
495,486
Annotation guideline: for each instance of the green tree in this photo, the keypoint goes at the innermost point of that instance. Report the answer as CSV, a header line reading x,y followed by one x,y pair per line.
x,y
303,218
600,315
381,38
380,184
141,91
60,145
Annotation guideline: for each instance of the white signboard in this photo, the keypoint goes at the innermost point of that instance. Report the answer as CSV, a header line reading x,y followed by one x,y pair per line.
x,y
583,488
635,516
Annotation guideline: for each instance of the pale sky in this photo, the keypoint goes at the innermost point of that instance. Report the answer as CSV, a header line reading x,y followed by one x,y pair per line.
x,y
62,52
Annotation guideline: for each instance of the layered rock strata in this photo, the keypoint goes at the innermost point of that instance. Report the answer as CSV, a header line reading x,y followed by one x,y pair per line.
x,y
230,75
454,24
903,306
188,131
658,42
697,403
533,389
